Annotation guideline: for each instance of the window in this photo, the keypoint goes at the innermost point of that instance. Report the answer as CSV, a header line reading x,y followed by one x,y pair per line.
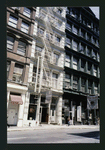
x,y
32,112
24,27
38,48
68,26
89,68
8,68
15,8
82,48
75,82
75,63
88,52
90,87
12,21
54,80
10,43
82,34
68,42
95,70
75,30
88,37
59,11
89,24
67,61
41,31
21,48
52,109
67,81
55,58
75,45
27,12
95,88
94,55
83,85
98,57
17,74
82,65
57,40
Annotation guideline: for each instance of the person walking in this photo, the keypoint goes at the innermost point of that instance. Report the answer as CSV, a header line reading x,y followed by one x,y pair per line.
x,y
68,121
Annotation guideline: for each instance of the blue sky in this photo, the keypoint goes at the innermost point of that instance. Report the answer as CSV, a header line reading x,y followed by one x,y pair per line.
x,y
95,10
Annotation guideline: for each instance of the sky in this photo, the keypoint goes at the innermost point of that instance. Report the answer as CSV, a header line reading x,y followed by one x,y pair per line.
x,y
95,11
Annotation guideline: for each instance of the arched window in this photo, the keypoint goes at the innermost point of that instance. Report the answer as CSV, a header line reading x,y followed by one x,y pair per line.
x,y
10,43
21,48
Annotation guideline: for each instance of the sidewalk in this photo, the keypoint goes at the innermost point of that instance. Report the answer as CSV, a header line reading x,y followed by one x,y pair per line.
x,y
43,126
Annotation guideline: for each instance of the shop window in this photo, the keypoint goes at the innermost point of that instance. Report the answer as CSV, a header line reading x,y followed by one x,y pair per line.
x,y
21,48
25,27
12,21
10,43
33,99
32,112
67,61
27,12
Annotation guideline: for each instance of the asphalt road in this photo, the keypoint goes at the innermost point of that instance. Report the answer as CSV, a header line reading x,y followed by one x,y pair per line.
x,y
54,136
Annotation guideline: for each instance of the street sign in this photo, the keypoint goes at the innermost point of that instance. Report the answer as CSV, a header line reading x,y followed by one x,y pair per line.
x,y
48,96
92,102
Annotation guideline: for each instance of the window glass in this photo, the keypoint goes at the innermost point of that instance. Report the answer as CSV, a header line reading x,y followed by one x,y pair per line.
x,y
10,43
12,21
75,45
75,30
67,61
21,48
24,27
27,12
75,63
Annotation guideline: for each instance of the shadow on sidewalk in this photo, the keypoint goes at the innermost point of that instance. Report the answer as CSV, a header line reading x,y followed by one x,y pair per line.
x,y
94,134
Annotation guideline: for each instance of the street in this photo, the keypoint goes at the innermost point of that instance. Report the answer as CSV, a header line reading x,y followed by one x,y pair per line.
x,y
54,136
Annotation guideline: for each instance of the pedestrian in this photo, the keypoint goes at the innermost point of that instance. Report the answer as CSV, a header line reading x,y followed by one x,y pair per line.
x,y
68,121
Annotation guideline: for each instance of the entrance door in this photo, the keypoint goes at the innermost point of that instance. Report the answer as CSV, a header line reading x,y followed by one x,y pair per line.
x,y
44,115
11,117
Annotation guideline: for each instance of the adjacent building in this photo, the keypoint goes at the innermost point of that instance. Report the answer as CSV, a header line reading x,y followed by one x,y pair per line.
x,y
81,73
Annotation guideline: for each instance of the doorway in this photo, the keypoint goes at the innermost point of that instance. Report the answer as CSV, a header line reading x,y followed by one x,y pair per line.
x,y
44,115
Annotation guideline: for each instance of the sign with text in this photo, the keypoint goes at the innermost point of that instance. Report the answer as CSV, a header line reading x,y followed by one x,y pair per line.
x,y
92,102
48,96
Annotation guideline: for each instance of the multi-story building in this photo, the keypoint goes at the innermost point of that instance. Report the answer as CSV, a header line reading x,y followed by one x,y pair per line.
x,y
82,59
52,64
46,67
20,23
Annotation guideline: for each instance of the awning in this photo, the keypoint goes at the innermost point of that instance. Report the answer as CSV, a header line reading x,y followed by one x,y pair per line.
x,y
15,99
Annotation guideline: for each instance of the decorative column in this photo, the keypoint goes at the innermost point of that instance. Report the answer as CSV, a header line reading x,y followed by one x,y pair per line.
x,y
26,106
80,18
86,50
11,70
86,67
79,46
92,71
71,83
59,111
21,112
8,93
79,65
86,35
49,106
86,85
38,109
93,88
79,31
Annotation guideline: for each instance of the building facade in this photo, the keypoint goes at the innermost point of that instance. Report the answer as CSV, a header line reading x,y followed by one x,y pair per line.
x,y
52,65
82,71
20,23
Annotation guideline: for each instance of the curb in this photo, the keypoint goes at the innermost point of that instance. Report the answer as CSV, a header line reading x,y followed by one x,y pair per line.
x,y
44,128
